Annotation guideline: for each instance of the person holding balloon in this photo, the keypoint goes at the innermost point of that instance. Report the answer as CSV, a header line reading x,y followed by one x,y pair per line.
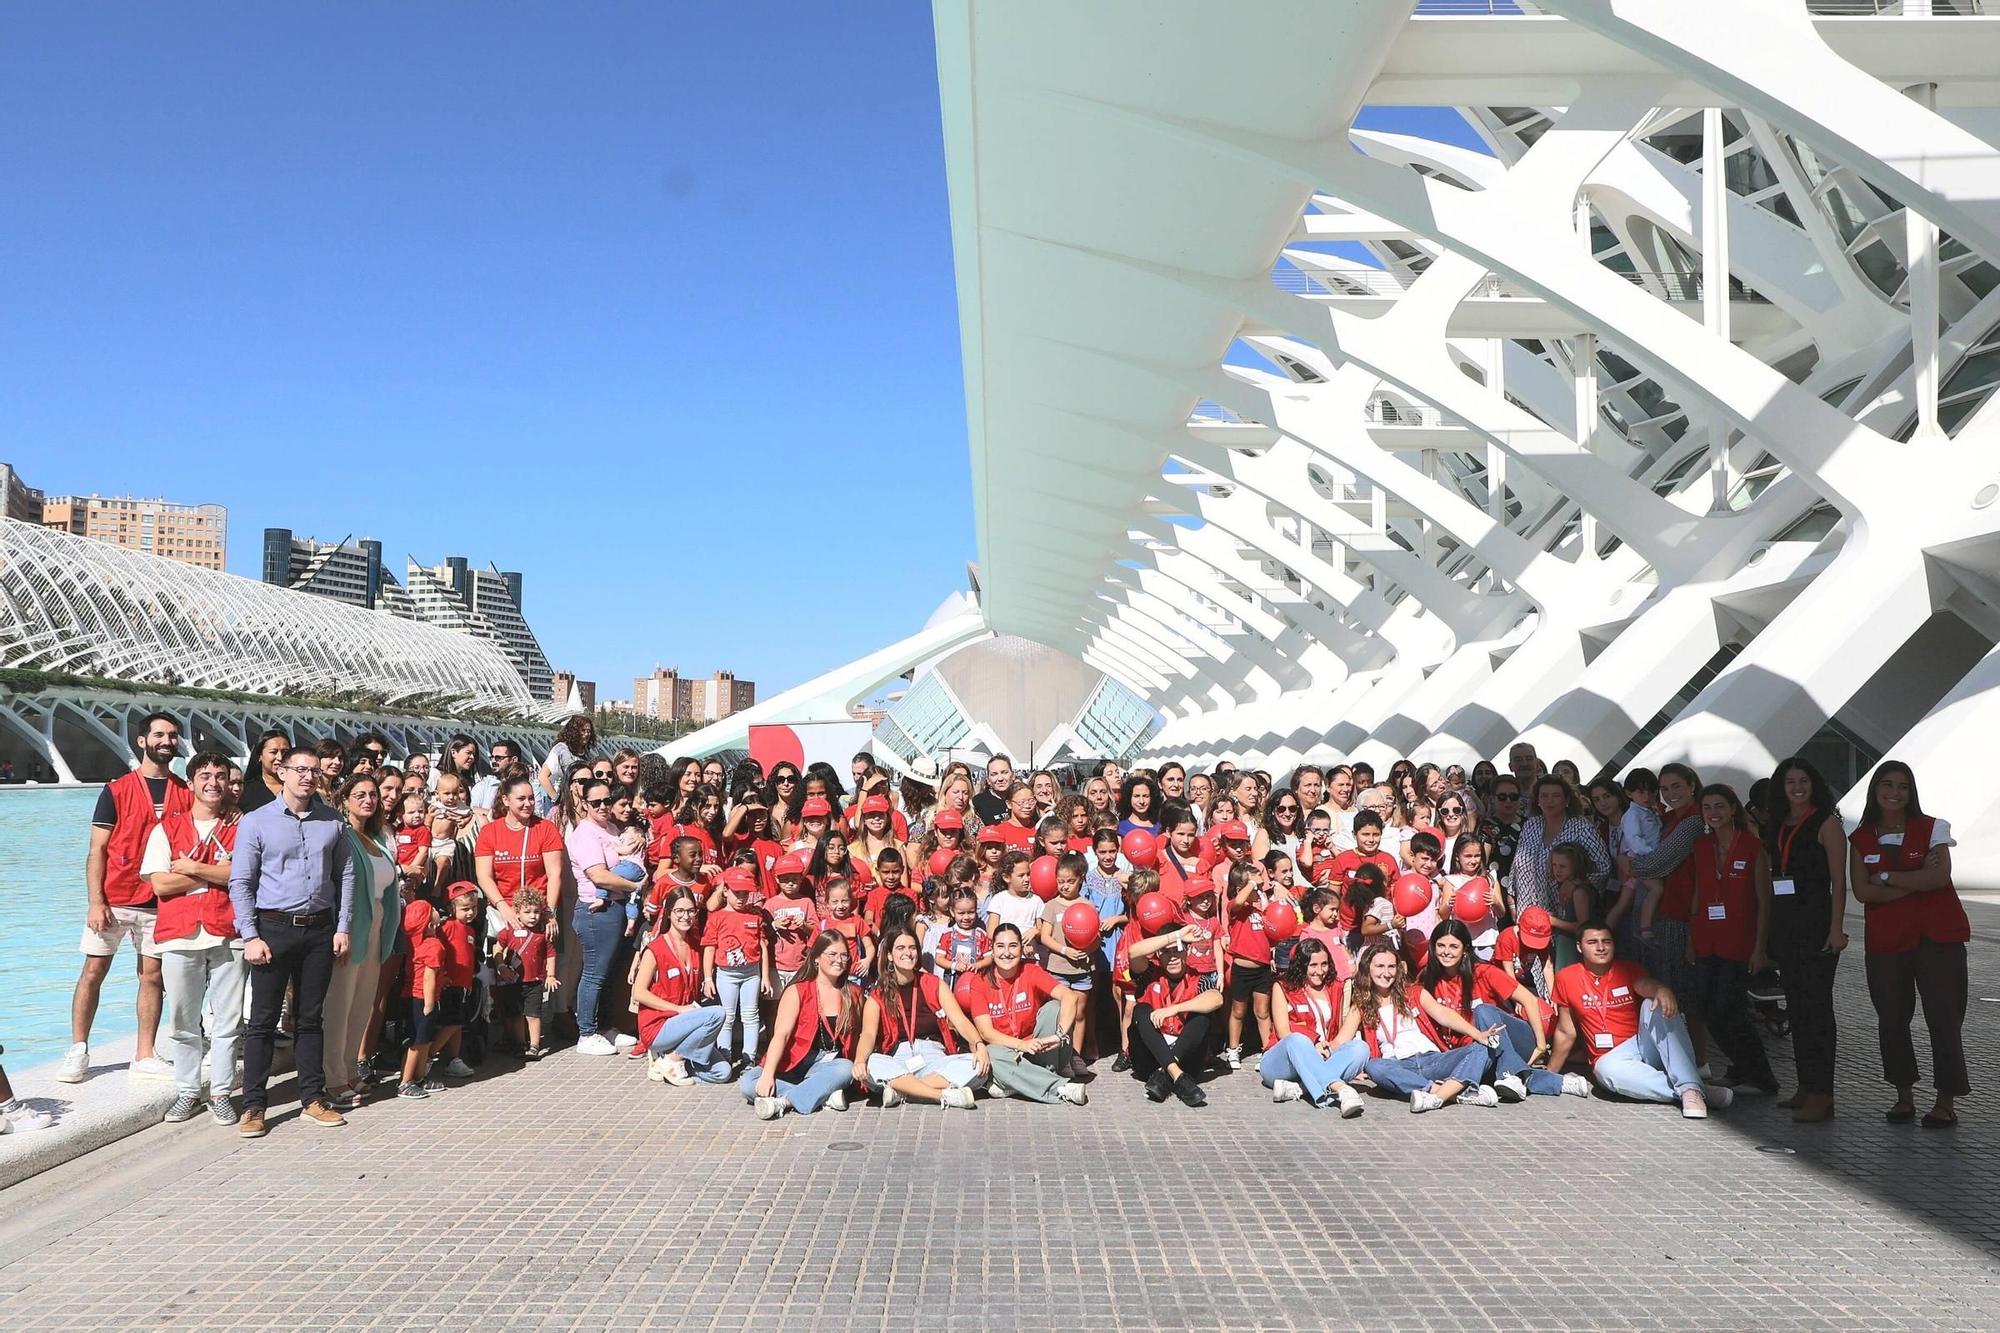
x,y
1069,932
1249,952
1469,869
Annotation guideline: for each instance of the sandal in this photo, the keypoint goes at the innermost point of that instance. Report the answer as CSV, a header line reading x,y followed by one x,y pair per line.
x,y
1932,1120
1902,1113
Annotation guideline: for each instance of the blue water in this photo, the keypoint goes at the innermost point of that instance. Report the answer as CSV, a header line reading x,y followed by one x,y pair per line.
x,y
46,831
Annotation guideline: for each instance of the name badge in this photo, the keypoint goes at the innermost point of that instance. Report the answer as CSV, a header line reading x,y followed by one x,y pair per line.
x,y
673,972
1602,1041
1783,888
916,1064
1618,992
1717,912
1872,859
1742,865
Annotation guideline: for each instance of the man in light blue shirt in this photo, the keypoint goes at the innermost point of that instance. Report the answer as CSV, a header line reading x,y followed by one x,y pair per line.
x,y
291,882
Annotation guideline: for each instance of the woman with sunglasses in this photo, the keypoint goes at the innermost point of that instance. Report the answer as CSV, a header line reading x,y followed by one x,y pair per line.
x,y
781,793
599,919
1282,828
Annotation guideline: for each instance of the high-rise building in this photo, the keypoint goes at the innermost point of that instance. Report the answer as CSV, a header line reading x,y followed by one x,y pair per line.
x,y
348,570
566,687
485,603
670,697
192,534
18,500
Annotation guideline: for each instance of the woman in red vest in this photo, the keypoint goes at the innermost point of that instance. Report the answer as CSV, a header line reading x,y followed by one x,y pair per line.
x,y
916,1043
1915,940
810,1060
1729,932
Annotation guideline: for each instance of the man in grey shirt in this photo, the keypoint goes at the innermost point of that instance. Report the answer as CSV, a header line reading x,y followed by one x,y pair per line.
x,y
291,881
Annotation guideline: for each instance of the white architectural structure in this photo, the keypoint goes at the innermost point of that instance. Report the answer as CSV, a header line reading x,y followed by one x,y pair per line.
x,y
80,607
1628,391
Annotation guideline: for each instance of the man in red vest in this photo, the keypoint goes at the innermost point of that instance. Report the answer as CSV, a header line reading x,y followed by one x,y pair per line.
x,y
121,901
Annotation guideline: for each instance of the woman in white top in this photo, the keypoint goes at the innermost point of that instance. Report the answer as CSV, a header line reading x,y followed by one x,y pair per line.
x,y
376,918
1392,1016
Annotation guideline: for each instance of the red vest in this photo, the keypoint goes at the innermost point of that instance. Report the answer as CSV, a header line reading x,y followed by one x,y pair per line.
x,y
122,854
1732,890
1936,916
206,908
889,1000
1677,889
805,1029
1304,1019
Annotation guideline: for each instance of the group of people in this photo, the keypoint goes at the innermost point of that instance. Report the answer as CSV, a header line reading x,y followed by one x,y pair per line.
x,y
1440,935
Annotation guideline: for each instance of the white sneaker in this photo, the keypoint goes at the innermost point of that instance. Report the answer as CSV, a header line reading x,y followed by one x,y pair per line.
x,y
1284,1090
890,1097
75,1065
770,1108
837,1100
674,1071
1693,1105
1350,1101
150,1067
595,1044
656,1068
1073,1093
459,1069
1478,1095
1510,1088
1421,1101
24,1121
1575,1085
1718,1096
1232,1057
624,1041
959,1098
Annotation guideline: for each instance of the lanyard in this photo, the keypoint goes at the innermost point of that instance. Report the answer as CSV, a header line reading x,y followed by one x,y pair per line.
x,y
1391,1021
909,1014
1785,839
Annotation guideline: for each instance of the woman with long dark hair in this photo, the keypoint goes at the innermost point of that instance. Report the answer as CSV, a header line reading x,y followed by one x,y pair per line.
x,y
1404,1029
916,1043
814,1035
1808,904
1728,935
1301,1061
1915,940
1487,997
1139,805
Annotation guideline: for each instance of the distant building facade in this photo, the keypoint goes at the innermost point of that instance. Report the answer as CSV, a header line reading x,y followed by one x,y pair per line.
x,y
191,534
19,500
567,690
667,696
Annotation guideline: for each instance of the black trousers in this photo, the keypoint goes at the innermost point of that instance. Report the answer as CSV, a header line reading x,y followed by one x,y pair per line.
x,y
1153,1050
1934,974
1722,999
301,956
1808,982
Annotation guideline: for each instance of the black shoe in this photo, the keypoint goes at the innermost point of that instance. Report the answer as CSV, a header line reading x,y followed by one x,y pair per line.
x,y
1189,1091
1122,1065
1158,1086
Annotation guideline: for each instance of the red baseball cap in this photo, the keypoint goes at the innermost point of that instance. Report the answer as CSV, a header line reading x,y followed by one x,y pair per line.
x,y
1536,932
949,819
739,878
878,804
791,863
816,808
1233,830
417,917
992,834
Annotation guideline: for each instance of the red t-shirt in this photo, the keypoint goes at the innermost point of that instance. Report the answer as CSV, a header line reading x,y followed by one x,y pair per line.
x,y
792,930
458,960
517,855
1201,954
878,901
427,952
675,980
736,937
1011,1005
1015,836
1344,867
531,947
1247,939
851,926
1164,990
411,844
1605,1009
1490,985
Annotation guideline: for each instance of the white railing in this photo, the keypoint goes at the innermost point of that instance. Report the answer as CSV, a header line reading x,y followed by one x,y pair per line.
x,y
1380,282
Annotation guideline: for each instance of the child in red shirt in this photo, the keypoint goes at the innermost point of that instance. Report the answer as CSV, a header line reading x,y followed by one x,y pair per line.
x,y
413,836
524,972
735,962
458,934
793,917
839,915
889,879
420,925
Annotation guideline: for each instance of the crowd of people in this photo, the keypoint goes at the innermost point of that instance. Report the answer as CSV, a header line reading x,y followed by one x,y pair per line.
x,y
937,933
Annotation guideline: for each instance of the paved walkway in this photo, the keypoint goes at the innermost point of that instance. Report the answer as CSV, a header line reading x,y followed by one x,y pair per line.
x,y
578,1195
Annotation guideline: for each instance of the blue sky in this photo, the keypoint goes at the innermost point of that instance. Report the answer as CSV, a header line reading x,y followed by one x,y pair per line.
x,y
652,302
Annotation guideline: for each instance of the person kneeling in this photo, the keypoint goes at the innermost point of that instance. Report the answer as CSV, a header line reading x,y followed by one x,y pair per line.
x,y
1632,1027
809,1062
911,1031
1170,1024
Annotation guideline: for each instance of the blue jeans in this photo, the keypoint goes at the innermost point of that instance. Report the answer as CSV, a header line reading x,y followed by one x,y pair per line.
x,y
827,1075
599,934
691,1036
1517,1043
1416,1073
737,990
1297,1059
1657,1065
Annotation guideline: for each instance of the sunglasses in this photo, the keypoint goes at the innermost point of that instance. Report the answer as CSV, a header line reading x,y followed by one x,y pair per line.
x,y
599,803
1506,796
1451,809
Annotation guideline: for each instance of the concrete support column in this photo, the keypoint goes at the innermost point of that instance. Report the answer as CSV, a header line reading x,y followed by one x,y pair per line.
x,y
1715,281
1583,380
1921,235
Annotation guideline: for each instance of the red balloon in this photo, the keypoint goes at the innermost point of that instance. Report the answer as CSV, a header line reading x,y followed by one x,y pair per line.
x,y
1155,912
1437,833
1281,922
1411,895
1042,877
1141,848
1081,927
1473,903
941,860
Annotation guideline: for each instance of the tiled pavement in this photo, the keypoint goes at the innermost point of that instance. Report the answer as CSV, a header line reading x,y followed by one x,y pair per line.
x,y
577,1195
